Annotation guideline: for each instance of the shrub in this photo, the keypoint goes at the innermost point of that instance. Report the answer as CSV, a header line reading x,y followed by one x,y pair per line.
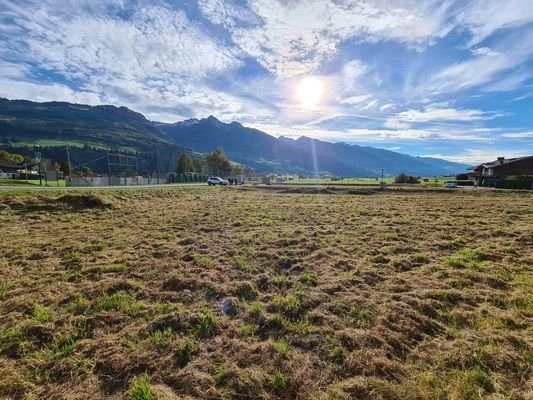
x,y
403,178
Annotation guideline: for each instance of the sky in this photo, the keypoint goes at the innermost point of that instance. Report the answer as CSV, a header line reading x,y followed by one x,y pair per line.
x,y
449,78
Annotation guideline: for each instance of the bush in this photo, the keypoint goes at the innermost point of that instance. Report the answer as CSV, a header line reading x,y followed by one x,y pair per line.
x,y
403,178
461,177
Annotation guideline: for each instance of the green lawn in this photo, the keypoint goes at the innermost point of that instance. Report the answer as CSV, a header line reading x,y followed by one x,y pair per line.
x,y
22,182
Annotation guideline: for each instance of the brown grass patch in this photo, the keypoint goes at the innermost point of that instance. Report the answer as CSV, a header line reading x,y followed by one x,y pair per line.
x,y
260,294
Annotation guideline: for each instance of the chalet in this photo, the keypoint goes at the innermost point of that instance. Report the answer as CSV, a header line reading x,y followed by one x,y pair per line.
x,y
488,173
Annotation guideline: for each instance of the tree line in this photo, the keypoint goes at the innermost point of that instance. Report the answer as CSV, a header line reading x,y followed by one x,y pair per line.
x,y
214,163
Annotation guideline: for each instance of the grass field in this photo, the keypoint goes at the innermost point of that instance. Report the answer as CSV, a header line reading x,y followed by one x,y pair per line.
x,y
431,181
240,293
22,182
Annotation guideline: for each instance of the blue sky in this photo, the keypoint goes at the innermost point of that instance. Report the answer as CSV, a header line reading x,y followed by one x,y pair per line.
x,y
448,78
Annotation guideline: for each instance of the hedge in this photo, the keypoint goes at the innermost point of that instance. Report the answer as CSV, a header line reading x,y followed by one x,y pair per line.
x,y
515,184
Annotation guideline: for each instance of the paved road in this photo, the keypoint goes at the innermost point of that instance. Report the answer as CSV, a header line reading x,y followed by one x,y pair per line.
x,y
131,187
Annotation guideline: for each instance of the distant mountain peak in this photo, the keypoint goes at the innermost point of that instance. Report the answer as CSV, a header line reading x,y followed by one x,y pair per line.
x,y
187,122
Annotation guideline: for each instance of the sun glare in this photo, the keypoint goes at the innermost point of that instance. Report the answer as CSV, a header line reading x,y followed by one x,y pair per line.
x,y
309,91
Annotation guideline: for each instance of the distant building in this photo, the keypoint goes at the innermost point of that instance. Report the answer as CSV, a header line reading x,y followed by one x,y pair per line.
x,y
488,173
10,171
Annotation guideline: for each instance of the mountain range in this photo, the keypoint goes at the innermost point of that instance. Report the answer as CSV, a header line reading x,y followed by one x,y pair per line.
x,y
54,124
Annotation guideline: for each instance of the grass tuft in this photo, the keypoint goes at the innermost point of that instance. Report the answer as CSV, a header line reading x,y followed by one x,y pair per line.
x,y
140,389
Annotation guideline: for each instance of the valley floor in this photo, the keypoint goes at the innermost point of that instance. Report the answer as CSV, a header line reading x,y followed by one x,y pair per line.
x,y
242,293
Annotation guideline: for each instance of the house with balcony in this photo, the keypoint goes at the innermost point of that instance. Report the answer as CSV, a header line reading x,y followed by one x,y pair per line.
x,y
487,174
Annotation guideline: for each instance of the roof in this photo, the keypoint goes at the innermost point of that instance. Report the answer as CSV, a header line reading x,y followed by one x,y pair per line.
x,y
503,161
11,166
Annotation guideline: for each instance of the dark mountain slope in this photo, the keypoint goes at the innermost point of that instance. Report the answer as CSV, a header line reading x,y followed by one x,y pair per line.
x,y
107,126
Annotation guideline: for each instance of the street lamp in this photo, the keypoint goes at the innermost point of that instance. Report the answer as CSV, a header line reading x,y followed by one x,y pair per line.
x,y
37,155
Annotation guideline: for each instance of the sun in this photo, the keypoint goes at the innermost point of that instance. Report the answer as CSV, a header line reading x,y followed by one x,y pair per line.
x,y
309,91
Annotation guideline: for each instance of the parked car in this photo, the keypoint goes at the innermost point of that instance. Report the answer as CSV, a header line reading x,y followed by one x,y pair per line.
x,y
450,184
216,180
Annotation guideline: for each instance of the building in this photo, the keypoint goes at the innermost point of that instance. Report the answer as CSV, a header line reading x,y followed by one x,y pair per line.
x,y
10,171
488,173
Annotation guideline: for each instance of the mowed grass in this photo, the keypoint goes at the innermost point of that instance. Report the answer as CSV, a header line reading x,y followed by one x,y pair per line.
x,y
239,293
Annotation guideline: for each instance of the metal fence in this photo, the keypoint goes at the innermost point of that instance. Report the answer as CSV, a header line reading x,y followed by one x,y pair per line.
x,y
79,180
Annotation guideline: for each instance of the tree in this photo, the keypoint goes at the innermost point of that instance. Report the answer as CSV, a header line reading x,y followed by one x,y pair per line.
x,y
402,178
10,158
65,168
237,170
185,164
461,177
217,163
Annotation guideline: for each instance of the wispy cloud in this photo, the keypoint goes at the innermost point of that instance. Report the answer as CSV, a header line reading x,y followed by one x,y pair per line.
x,y
484,18
355,99
518,135
294,38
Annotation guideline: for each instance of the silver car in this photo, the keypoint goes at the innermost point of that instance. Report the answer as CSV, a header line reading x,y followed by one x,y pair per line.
x,y
450,184
216,180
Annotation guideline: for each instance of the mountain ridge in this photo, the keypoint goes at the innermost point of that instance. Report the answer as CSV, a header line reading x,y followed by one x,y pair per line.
x,y
355,160
23,122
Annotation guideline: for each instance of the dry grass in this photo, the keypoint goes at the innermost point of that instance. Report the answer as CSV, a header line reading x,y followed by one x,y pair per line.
x,y
327,295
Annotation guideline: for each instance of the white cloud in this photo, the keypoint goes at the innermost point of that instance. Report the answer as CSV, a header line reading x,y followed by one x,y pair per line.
x,y
355,99
46,92
519,135
294,38
484,51
372,104
436,113
486,67
154,61
484,18
386,107
476,156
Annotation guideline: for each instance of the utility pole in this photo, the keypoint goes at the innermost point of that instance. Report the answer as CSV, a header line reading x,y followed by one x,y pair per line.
x,y
109,168
68,161
158,166
69,168
37,155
